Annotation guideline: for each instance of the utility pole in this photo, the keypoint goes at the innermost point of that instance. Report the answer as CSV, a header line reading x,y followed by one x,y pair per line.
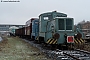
x,y
1,0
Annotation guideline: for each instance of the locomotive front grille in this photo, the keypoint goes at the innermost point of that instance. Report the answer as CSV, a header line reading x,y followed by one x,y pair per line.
x,y
65,24
61,24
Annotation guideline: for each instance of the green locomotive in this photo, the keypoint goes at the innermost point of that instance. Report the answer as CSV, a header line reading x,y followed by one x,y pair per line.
x,y
56,28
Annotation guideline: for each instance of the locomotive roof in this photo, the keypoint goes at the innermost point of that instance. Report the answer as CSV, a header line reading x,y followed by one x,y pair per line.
x,y
53,12
63,17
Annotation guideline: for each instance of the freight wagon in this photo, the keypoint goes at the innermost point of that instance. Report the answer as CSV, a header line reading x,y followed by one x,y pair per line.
x,y
26,31
28,28
35,29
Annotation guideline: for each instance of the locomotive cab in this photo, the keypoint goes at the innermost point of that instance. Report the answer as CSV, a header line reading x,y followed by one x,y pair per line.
x,y
46,25
56,28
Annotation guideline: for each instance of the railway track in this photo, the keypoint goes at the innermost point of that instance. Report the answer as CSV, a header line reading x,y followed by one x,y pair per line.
x,y
57,54
68,55
78,54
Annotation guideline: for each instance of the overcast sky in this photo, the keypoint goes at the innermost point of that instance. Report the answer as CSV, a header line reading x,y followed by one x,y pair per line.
x,y
20,12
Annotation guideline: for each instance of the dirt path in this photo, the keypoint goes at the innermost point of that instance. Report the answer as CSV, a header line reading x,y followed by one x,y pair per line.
x,y
14,48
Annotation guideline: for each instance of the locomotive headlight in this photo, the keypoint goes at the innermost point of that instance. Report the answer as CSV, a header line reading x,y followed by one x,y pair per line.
x,y
75,34
78,35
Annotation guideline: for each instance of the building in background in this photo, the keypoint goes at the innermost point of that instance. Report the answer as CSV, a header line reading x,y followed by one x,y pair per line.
x,y
5,28
85,27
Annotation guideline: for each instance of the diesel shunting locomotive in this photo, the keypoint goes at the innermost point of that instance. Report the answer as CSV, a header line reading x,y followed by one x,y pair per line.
x,y
53,28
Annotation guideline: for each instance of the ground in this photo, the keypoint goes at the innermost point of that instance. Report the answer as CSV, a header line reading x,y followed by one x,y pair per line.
x,y
87,47
14,48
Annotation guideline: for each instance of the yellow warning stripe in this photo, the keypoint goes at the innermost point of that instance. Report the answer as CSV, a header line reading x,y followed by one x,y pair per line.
x,y
48,40
81,40
51,41
75,41
55,41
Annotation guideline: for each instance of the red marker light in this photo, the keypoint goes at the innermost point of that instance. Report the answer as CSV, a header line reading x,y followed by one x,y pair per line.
x,y
70,39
